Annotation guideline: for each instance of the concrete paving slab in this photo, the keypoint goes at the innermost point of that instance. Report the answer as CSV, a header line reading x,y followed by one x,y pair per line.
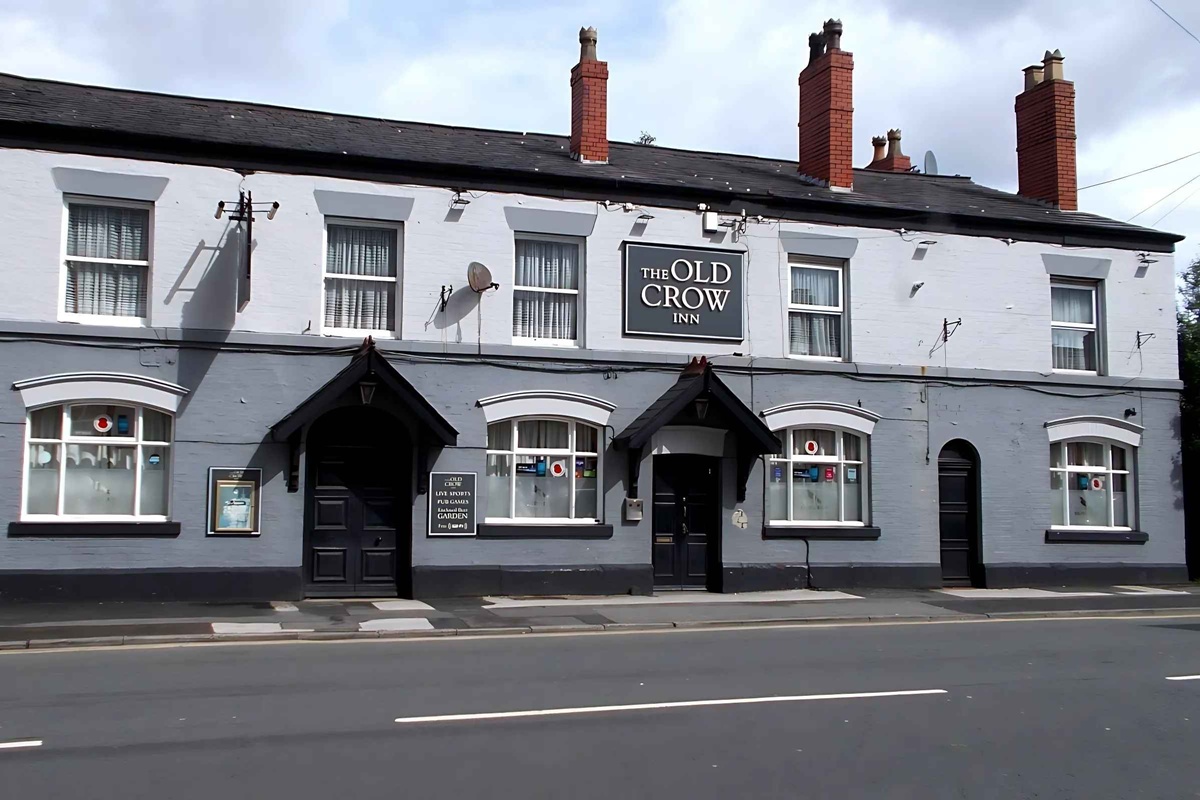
x,y
1018,593
395,624
668,598
737,613
246,627
402,605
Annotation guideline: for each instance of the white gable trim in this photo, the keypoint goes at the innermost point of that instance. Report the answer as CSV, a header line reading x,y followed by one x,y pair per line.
x,y
821,415
546,403
117,387
1095,427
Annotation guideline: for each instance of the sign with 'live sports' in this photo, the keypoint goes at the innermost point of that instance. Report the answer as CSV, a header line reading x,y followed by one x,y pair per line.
x,y
684,292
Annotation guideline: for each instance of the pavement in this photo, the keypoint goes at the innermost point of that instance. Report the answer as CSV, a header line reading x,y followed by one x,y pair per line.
x,y
981,709
56,625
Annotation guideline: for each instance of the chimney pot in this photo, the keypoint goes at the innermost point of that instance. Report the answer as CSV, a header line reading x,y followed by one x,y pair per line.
x,y
1033,76
833,34
879,143
587,44
893,137
816,46
1052,64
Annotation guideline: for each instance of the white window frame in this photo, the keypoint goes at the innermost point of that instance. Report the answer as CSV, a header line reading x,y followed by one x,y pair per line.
x,y
837,460
1130,473
1094,328
346,222
839,310
136,441
105,319
533,341
571,453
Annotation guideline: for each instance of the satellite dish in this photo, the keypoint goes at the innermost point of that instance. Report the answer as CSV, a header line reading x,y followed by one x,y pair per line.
x,y
479,278
930,163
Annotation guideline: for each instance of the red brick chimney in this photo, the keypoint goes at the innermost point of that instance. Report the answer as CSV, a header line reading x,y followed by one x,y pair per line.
x,y
827,109
1046,135
589,103
893,160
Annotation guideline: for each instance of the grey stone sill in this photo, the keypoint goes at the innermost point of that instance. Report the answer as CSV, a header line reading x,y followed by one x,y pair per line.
x,y
1085,536
495,530
832,532
98,529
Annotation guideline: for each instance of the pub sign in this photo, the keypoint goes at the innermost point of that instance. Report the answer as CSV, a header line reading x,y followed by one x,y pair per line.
x,y
691,293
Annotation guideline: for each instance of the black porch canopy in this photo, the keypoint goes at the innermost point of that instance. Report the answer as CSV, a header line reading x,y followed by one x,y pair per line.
x,y
721,409
370,372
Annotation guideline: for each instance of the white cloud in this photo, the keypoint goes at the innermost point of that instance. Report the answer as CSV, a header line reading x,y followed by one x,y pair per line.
x,y
28,46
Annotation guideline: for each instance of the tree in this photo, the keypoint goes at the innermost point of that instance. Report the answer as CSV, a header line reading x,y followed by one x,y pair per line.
x,y
646,139
1188,329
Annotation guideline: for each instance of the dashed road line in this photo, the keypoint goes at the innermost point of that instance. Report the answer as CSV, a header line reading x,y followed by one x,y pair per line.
x,y
20,744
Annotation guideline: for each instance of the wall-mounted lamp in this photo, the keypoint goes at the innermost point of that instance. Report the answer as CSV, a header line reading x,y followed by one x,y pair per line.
x,y
1130,412
701,407
274,208
458,201
916,287
927,242
220,209
643,218
1145,260
366,392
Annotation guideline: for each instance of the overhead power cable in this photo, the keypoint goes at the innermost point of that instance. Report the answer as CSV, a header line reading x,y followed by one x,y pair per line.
x,y
1174,208
1182,27
1164,197
1140,171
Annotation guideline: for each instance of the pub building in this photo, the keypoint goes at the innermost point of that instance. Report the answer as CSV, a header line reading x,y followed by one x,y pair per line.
x,y
260,352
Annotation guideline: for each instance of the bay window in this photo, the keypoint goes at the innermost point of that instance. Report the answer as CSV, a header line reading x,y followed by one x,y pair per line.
x,y
1091,484
97,460
543,469
821,478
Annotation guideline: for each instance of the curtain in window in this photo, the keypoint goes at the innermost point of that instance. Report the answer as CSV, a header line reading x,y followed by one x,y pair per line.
x,y
103,232
1071,305
1073,349
362,304
107,289
815,334
546,315
814,287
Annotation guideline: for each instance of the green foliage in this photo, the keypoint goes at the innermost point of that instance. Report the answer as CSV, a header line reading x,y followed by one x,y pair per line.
x,y
646,139
1188,323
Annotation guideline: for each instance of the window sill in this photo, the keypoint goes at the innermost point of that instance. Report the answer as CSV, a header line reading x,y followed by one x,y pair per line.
x,y
497,530
1095,536
822,532
358,333
826,359
98,529
112,321
567,343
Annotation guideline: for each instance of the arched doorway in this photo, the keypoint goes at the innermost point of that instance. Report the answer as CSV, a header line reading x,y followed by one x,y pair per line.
x,y
959,517
358,497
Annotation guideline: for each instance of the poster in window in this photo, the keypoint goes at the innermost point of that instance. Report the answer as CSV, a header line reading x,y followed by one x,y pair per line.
x,y
233,501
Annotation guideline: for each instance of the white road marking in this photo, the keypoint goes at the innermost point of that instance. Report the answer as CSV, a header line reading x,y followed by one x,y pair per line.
x,y
395,625
281,606
15,745
402,605
1146,590
553,712
978,594
246,627
672,598
1185,678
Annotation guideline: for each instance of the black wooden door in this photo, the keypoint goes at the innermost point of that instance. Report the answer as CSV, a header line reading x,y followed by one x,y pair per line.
x,y
686,522
357,524
958,506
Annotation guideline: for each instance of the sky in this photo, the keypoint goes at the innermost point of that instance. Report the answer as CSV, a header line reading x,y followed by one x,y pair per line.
x,y
697,74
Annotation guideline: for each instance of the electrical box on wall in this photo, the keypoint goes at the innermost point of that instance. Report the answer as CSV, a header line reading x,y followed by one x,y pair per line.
x,y
710,222
633,509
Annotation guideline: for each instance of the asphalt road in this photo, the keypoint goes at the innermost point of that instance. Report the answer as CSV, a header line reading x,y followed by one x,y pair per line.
x,y
1050,709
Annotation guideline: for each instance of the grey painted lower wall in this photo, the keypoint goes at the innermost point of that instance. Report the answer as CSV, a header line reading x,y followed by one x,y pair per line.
x,y
236,395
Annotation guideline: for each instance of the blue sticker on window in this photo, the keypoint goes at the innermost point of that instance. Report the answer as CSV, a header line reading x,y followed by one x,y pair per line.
x,y
122,424
814,473
541,467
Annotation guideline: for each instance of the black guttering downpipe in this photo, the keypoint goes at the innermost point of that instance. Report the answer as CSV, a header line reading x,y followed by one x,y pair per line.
x,y
586,187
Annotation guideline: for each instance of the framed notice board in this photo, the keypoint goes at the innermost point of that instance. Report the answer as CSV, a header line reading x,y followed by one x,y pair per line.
x,y
452,504
234,501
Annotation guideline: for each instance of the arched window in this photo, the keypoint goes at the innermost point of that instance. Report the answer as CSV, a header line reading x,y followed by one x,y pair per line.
x,y
97,460
1093,472
822,477
98,447
543,469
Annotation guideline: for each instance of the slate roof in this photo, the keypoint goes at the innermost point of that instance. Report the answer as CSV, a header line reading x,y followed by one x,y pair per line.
x,y
68,116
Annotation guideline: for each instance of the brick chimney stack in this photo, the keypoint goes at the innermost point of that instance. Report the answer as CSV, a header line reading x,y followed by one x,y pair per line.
x,y
1046,135
827,109
893,160
589,103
